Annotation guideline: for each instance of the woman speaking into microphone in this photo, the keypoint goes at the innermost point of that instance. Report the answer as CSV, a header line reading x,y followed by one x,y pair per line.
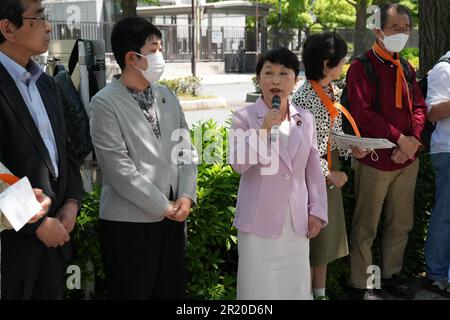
x,y
277,210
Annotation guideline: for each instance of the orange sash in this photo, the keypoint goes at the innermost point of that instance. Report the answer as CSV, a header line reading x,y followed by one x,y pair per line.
x,y
333,109
8,178
400,75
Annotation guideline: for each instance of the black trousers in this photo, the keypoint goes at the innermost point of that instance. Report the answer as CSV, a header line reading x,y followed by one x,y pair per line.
x,y
45,280
144,260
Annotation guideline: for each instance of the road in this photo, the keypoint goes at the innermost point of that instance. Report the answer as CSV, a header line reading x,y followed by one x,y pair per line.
x,y
234,87
235,93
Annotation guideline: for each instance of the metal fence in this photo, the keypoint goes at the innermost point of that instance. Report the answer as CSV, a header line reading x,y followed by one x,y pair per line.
x,y
237,46
213,42
176,40
234,45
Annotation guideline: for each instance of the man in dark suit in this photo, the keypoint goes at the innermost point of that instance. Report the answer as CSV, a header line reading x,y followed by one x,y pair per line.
x,y
33,143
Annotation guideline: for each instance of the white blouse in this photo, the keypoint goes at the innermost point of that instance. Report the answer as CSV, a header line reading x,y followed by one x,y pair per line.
x,y
305,97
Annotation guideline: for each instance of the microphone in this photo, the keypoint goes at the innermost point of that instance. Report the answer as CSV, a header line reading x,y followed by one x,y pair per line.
x,y
276,104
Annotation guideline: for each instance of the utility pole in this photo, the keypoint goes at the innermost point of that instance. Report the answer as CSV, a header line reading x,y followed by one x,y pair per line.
x,y
193,31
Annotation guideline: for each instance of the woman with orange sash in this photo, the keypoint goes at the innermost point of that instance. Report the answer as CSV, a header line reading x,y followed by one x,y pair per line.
x,y
323,56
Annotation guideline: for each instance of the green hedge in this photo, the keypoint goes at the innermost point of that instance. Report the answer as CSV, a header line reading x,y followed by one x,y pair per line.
x,y
86,247
187,86
212,242
412,55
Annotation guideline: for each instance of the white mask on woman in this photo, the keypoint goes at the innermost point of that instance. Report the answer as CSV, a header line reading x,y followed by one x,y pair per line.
x,y
396,42
155,69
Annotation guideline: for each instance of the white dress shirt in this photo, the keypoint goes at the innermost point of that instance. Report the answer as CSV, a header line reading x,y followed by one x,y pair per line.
x,y
438,92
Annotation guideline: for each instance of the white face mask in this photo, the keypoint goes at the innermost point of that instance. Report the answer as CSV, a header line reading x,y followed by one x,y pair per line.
x,y
396,42
155,67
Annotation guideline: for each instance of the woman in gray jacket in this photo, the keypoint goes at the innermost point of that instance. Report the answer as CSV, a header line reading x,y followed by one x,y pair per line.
x,y
136,129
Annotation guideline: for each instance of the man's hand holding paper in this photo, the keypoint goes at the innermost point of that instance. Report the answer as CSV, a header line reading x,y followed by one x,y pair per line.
x,y
20,204
346,141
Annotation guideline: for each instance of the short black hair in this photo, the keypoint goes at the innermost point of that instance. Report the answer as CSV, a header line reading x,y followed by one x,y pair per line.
x,y
281,56
397,8
320,47
12,10
130,34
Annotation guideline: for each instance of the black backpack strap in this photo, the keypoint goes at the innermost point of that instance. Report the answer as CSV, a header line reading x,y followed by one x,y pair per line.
x,y
444,59
90,63
58,68
372,76
407,71
73,60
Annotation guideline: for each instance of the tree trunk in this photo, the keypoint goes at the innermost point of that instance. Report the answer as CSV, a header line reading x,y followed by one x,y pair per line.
x,y
434,31
299,39
360,28
129,8
307,32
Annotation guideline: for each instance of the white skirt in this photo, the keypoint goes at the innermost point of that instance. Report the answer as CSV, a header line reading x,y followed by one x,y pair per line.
x,y
274,269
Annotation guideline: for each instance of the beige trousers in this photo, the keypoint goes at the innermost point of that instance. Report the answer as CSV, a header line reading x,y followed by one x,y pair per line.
x,y
390,192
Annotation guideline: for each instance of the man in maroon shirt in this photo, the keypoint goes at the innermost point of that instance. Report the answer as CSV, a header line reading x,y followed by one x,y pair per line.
x,y
385,181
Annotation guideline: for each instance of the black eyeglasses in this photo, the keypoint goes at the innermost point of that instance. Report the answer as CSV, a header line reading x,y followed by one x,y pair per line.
x,y
43,18
405,30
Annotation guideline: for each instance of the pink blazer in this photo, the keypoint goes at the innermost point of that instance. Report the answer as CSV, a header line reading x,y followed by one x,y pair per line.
x,y
263,199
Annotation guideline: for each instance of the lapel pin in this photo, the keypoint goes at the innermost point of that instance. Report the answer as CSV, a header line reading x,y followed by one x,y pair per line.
x,y
299,122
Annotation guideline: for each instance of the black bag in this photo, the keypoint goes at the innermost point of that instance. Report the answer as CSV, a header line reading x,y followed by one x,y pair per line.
x,y
76,117
90,64
429,126
423,83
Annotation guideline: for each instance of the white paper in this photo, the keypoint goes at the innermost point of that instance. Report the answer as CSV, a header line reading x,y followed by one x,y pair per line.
x,y
344,141
18,203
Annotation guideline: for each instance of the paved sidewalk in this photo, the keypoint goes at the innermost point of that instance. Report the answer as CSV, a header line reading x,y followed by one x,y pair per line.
x,y
416,284
422,294
226,78
229,89
221,78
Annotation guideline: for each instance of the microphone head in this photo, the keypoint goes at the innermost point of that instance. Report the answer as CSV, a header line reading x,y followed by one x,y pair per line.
x,y
276,102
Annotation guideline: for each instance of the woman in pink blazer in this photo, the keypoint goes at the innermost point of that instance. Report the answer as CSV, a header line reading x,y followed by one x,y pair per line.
x,y
282,200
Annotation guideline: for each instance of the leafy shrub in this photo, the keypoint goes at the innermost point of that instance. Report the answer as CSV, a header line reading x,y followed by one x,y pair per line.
x,y
423,204
412,55
256,84
86,246
212,249
340,83
344,72
187,86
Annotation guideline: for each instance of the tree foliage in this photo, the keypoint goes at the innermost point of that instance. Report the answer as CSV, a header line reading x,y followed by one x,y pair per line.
x,y
303,14
361,6
333,14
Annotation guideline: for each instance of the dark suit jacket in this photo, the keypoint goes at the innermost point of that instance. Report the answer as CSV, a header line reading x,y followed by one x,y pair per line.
x,y
23,152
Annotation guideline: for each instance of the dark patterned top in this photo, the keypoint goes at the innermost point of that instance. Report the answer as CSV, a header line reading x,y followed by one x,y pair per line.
x,y
306,98
146,102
